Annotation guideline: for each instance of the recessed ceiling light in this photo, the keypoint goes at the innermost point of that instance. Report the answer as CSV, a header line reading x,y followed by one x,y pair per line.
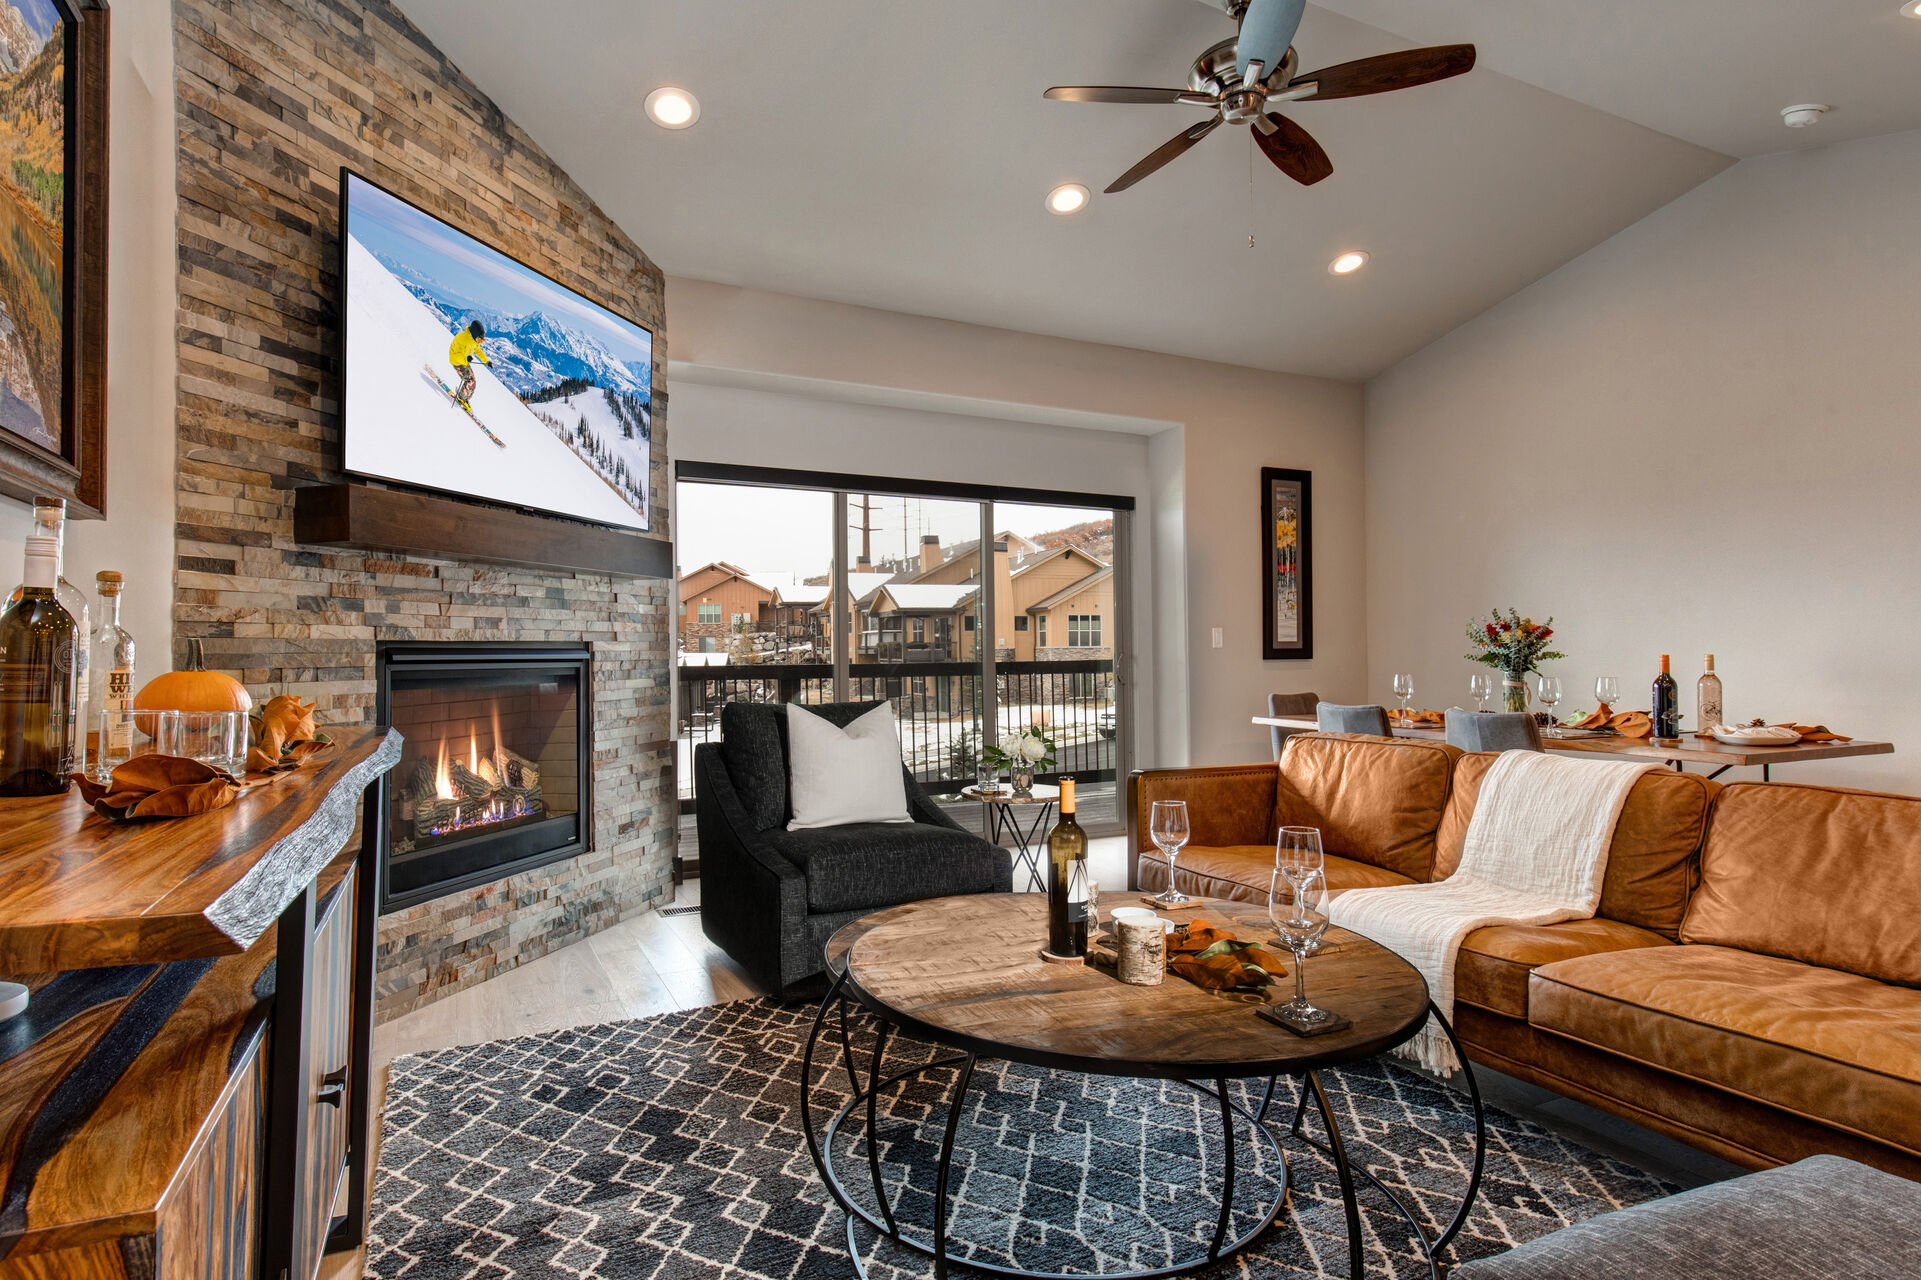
x,y
672,108
1069,197
1912,9
1348,263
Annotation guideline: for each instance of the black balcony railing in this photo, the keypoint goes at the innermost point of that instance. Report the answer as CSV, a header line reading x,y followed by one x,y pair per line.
x,y
938,707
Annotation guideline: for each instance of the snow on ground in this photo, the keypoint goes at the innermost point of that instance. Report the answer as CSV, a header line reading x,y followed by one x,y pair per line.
x,y
623,457
404,427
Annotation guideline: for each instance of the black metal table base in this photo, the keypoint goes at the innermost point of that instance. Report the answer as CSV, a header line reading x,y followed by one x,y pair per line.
x,y
1006,823
820,1146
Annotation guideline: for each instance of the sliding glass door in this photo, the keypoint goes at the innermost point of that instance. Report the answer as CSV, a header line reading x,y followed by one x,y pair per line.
x,y
974,614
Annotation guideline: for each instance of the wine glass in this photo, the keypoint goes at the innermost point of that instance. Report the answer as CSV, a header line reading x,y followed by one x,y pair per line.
x,y
1404,690
1297,906
1607,689
1480,687
1167,824
1549,689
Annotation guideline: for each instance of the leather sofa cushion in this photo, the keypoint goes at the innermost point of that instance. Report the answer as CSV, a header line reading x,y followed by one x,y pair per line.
x,y
1492,967
881,864
1241,873
1827,1045
1376,800
1226,805
1651,860
753,742
1818,874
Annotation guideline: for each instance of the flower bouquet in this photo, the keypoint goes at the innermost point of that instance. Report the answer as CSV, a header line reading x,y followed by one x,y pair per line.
x,y
1514,646
1023,754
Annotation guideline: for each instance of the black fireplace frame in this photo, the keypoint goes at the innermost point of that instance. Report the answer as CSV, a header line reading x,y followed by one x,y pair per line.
x,y
461,658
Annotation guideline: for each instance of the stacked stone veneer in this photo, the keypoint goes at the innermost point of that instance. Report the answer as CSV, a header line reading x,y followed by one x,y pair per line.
x,y
272,97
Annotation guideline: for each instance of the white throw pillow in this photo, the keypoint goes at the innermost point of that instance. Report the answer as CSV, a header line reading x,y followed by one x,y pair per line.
x,y
836,776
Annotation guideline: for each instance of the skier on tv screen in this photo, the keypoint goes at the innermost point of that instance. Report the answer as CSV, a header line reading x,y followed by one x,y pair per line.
x,y
465,349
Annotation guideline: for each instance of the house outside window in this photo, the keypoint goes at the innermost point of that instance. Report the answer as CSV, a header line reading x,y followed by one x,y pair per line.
x,y
1084,630
1041,640
920,630
967,622
1020,622
710,612
740,622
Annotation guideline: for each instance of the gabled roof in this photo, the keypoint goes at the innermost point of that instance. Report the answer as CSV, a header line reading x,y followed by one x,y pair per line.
x,y
861,586
1072,589
918,597
727,571
802,594
1094,560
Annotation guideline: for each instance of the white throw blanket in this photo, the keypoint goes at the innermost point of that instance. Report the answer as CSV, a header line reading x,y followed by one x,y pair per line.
x,y
1535,853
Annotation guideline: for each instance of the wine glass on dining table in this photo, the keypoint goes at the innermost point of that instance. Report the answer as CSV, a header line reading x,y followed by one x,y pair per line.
x,y
1404,690
1607,689
1297,907
1167,824
1549,688
1480,687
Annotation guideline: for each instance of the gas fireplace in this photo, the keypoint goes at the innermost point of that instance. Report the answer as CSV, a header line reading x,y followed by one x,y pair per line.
x,y
494,777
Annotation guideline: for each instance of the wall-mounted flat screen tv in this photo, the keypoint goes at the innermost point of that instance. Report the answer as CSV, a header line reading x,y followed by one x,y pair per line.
x,y
469,372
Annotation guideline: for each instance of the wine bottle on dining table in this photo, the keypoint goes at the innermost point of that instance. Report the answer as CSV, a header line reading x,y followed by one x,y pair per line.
x,y
1666,710
1067,881
1707,701
38,672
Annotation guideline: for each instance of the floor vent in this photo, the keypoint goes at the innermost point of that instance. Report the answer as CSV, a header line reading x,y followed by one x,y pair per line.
x,y
680,911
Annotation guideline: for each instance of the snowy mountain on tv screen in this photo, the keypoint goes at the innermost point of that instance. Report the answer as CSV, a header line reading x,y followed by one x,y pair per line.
x,y
531,353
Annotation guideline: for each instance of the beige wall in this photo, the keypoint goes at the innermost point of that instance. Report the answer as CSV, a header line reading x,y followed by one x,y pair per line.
x,y
1702,436
1196,537
137,535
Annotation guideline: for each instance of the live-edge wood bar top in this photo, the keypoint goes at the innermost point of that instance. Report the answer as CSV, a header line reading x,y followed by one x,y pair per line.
x,y
1689,749
77,891
967,972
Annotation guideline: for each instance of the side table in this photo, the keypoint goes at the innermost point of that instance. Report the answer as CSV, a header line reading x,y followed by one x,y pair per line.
x,y
1004,819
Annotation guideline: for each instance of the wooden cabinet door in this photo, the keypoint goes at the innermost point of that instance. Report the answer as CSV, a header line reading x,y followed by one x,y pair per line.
x,y
329,1035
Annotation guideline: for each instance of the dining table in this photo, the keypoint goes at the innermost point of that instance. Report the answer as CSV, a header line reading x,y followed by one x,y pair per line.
x,y
1676,753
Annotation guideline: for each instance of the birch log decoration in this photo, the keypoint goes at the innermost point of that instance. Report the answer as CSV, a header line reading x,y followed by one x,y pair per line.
x,y
1141,951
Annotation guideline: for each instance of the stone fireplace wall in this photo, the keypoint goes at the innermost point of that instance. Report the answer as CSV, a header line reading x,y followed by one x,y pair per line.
x,y
272,97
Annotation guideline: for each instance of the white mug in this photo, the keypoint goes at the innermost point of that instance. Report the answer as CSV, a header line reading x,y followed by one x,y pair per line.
x,y
1138,915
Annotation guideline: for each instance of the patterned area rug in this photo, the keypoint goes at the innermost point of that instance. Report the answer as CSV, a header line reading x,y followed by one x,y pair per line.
x,y
669,1148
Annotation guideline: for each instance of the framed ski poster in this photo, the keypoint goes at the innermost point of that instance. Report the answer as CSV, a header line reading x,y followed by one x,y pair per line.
x,y
1287,579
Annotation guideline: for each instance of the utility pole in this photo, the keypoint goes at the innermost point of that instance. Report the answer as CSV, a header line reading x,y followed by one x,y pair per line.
x,y
867,527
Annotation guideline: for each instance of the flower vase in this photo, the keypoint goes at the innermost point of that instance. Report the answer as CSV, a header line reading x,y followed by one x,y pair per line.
x,y
1021,774
1514,691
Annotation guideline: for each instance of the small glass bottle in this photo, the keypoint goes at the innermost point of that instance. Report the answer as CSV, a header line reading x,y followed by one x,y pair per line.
x,y
112,673
74,601
39,646
1707,701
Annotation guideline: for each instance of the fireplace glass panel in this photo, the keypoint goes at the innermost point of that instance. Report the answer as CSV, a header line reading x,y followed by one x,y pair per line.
x,y
490,776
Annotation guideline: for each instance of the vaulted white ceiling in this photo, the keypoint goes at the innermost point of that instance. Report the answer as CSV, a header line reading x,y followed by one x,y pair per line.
x,y
895,155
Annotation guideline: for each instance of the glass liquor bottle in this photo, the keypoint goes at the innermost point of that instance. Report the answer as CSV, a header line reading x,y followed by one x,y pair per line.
x,y
39,643
52,513
1707,701
1067,881
111,664
1666,709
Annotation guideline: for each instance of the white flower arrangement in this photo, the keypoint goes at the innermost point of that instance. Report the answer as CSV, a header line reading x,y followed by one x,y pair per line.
x,y
1028,747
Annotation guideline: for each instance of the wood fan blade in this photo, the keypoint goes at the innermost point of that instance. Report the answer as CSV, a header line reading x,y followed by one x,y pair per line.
x,y
1174,146
1387,72
1293,150
1118,93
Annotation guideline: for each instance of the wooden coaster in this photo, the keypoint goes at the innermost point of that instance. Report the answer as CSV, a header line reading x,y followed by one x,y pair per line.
x,y
1272,1012
1051,958
1148,900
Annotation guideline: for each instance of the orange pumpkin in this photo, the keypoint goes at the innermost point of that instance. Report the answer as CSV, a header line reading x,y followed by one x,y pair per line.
x,y
193,689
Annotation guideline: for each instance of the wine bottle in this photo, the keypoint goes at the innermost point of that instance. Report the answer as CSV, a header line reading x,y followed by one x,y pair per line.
x,y
38,692
1666,711
1707,701
111,662
74,601
1067,881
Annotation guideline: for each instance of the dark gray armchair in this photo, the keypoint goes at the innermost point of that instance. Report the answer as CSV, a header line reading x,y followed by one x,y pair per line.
x,y
770,897
1366,718
1493,731
1288,704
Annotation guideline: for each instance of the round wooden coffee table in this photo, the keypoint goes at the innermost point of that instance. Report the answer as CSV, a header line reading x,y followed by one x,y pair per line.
x,y
965,973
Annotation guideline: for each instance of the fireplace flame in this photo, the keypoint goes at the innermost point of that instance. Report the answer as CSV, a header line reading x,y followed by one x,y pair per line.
x,y
443,777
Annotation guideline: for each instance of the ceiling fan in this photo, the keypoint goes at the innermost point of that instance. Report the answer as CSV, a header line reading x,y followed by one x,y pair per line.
x,y
1239,79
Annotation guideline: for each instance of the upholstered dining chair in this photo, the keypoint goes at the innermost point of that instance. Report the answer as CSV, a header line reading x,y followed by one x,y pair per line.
x,y
1493,731
1335,718
1289,704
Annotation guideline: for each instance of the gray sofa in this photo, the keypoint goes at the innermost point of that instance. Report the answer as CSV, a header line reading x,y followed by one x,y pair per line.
x,y
770,897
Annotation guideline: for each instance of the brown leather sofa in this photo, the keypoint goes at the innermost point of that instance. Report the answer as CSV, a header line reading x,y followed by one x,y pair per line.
x,y
1751,984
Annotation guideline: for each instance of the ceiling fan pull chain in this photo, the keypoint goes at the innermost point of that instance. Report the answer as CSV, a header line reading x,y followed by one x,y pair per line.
x,y
1250,188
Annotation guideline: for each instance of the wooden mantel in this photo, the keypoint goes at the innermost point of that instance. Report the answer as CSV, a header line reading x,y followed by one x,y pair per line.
x,y
78,892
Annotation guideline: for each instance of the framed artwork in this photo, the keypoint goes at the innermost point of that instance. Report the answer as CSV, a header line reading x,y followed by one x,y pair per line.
x,y
53,251
1287,579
